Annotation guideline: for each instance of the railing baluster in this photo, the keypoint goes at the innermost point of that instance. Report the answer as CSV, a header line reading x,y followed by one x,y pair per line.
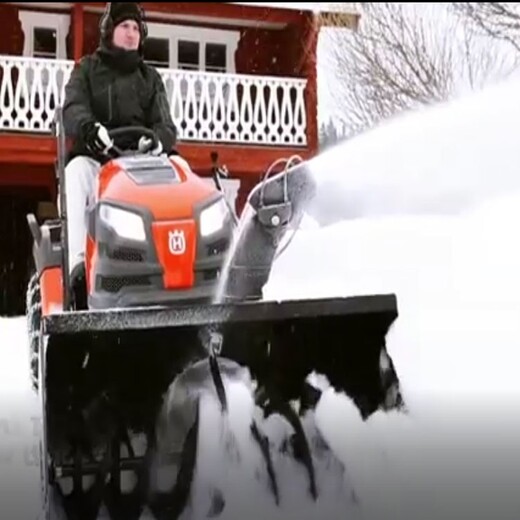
x,y
206,106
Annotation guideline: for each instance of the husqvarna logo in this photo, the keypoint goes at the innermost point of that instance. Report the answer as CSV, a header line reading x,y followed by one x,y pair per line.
x,y
177,242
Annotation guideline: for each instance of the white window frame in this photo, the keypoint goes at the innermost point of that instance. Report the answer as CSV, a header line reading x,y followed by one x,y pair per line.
x,y
201,35
31,20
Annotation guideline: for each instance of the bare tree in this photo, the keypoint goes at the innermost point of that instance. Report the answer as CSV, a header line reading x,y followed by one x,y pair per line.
x,y
497,20
406,55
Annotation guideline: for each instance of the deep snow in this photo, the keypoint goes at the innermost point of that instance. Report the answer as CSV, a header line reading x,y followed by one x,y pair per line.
x,y
427,207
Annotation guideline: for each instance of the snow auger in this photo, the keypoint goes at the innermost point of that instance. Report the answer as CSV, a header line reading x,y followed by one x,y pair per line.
x,y
171,298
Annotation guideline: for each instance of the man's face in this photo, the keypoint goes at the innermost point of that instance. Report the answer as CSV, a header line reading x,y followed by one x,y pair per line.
x,y
126,35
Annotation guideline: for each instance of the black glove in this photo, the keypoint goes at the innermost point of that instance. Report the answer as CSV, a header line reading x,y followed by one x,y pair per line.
x,y
96,138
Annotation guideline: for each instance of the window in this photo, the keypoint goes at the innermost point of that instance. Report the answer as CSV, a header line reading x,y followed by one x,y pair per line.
x,y
157,52
193,48
216,57
188,55
45,34
44,43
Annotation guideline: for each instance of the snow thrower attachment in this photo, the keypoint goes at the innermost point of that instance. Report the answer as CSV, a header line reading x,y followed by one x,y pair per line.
x,y
184,303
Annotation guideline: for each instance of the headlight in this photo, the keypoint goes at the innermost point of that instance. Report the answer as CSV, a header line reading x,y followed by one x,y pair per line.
x,y
125,223
212,218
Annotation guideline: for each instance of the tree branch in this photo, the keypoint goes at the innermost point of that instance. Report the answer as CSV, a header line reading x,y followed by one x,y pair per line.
x,y
407,55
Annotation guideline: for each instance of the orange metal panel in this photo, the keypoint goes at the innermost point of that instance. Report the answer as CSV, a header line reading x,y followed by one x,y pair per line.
x,y
51,288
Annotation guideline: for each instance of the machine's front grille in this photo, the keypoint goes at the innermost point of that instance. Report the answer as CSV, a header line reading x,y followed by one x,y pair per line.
x,y
126,254
116,283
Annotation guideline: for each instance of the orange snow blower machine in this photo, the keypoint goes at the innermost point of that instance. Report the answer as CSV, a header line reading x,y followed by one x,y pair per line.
x,y
172,283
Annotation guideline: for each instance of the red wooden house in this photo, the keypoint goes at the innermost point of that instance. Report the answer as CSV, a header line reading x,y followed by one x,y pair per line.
x,y
241,80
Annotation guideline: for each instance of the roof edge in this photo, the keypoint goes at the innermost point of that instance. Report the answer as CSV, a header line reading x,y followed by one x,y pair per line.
x,y
349,8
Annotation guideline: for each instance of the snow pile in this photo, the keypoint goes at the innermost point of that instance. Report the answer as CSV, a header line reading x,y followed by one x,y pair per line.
x,y
439,160
19,426
230,465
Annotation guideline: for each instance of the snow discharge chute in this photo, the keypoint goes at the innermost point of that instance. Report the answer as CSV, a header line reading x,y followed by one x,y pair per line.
x,y
121,358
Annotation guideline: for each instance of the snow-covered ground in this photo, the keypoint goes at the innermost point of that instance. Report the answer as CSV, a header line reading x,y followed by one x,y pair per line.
x,y
19,422
427,207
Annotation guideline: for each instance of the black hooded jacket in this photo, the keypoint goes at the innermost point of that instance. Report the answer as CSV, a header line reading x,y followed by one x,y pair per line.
x,y
116,88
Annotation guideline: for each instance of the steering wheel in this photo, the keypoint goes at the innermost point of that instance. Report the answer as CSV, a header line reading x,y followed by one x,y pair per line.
x,y
138,131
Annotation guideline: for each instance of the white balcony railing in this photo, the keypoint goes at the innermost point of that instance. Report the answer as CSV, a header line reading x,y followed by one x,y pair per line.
x,y
228,108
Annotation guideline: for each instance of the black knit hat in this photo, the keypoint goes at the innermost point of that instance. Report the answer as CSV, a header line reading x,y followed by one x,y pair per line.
x,y
121,11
